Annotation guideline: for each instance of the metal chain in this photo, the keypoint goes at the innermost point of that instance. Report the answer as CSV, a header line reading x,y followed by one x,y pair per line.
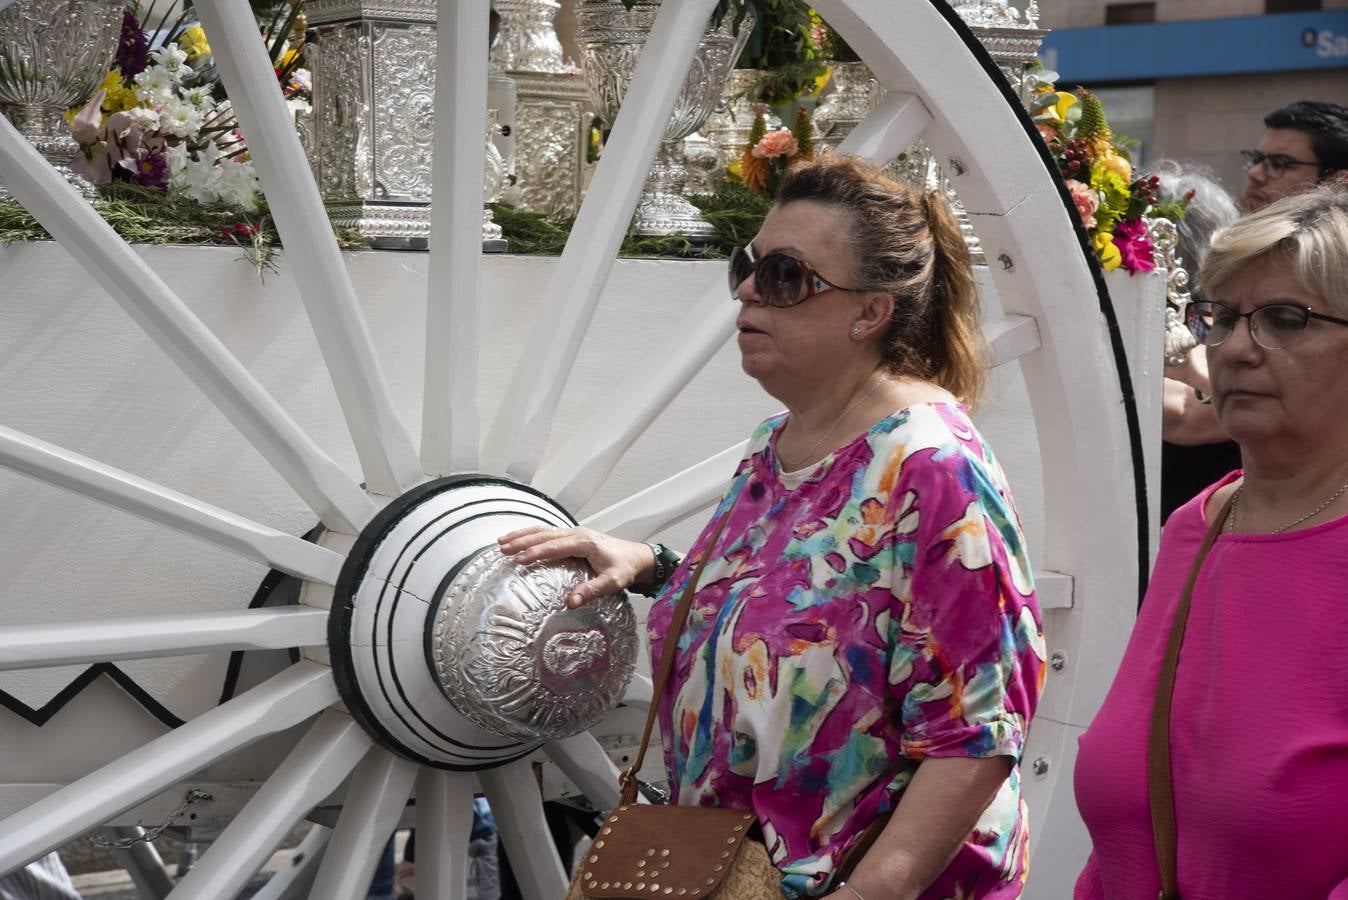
x,y
1235,499
193,797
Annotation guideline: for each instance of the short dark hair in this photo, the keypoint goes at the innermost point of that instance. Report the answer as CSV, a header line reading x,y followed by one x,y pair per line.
x,y
1325,123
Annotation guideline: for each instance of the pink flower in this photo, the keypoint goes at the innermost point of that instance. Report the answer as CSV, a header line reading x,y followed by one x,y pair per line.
x,y
776,143
1086,199
1135,246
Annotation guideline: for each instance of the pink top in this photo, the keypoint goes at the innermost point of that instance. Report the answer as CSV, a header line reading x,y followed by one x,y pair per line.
x,y
1259,734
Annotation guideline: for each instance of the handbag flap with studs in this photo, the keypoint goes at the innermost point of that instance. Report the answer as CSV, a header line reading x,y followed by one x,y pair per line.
x,y
663,851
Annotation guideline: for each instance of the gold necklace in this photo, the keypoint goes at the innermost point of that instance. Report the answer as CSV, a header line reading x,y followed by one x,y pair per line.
x,y
791,467
1235,499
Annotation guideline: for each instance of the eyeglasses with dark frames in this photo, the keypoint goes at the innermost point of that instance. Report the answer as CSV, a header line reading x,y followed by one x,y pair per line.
x,y
1275,164
780,279
1274,326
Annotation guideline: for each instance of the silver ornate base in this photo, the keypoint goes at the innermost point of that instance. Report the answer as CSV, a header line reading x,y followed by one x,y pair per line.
x,y
662,210
85,189
402,226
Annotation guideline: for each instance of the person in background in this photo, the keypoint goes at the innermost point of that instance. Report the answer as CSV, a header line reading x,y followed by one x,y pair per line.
x,y
1196,451
1305,143
1258,713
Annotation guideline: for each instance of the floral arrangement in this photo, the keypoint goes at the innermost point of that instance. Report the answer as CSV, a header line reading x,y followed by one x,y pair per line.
x,y
768,154
161,119
1097,171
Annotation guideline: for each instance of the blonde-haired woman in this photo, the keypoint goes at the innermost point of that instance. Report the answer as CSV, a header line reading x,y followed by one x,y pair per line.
x,y
1256,756
864,637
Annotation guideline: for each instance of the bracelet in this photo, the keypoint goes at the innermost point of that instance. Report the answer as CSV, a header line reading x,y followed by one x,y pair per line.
x,y
666,561
857,893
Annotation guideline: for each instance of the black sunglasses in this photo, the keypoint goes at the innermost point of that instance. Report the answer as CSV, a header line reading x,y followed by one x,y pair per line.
x,y
1275,326
779,279
1275,164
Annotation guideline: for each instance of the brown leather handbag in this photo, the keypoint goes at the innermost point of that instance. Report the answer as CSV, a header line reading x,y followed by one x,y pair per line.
x,y
1160,785
682,851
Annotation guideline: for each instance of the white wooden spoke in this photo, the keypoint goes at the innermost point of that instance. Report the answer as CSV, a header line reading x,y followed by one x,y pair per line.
x,y
106,484
370,812
888,129
292,880
640,692
1011,337
311,771
387,457
517,805
142,637
580,465
279,703
322,484
450,426
444,823
519,434
583,760
672,500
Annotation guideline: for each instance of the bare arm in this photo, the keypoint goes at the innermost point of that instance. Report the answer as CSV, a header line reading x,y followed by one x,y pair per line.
x,y
936,812
617,563
1184,420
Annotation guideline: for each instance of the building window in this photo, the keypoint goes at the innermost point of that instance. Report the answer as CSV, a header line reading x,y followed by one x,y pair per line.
x,y
1129,13
1286,6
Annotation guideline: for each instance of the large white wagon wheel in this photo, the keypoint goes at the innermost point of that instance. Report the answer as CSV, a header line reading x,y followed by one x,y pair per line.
x,y
376,714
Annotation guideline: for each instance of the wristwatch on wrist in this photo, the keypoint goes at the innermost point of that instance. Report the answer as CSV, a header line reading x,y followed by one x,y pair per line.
x,y
666,560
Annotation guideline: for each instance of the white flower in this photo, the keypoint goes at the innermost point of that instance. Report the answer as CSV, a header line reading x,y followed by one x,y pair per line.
x,y
180,119
173,59
176,156
199,96
197,181
303,79
238,185
155,85
144,118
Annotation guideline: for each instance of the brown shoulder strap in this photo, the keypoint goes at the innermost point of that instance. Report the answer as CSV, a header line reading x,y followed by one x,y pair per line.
x,y
1160,785
628,781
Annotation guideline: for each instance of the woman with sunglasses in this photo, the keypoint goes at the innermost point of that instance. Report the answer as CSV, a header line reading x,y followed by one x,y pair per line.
x,y
864,637
1220,755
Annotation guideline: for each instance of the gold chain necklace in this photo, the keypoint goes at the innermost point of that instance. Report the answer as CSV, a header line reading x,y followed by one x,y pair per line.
x,y
1235,500
791,467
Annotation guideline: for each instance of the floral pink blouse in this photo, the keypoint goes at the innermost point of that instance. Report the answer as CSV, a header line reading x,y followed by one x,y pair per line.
x,y
879,613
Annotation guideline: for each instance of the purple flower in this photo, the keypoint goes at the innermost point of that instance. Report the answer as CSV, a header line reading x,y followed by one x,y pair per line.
x,y
133,51
151,169
1138,255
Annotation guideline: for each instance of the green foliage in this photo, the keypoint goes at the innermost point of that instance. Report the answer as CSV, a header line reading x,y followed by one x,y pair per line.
x,y
803,130
735,212
782,45
758,129
142,215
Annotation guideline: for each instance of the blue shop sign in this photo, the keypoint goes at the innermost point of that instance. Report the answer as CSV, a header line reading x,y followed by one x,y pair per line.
x,y
1286,42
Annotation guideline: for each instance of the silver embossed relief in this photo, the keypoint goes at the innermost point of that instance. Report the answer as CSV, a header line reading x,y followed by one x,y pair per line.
x,y
514,659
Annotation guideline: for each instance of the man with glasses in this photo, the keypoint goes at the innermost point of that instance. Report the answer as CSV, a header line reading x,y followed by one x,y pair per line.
x,y
1306,143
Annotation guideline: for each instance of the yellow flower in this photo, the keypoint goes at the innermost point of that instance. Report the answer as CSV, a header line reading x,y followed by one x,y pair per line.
x,y
193,40
290,56
1119,166
1058,111
1110,257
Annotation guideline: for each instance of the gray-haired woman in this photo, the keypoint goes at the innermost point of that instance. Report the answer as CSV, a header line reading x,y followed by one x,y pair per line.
x,y
1196,451
1252,733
